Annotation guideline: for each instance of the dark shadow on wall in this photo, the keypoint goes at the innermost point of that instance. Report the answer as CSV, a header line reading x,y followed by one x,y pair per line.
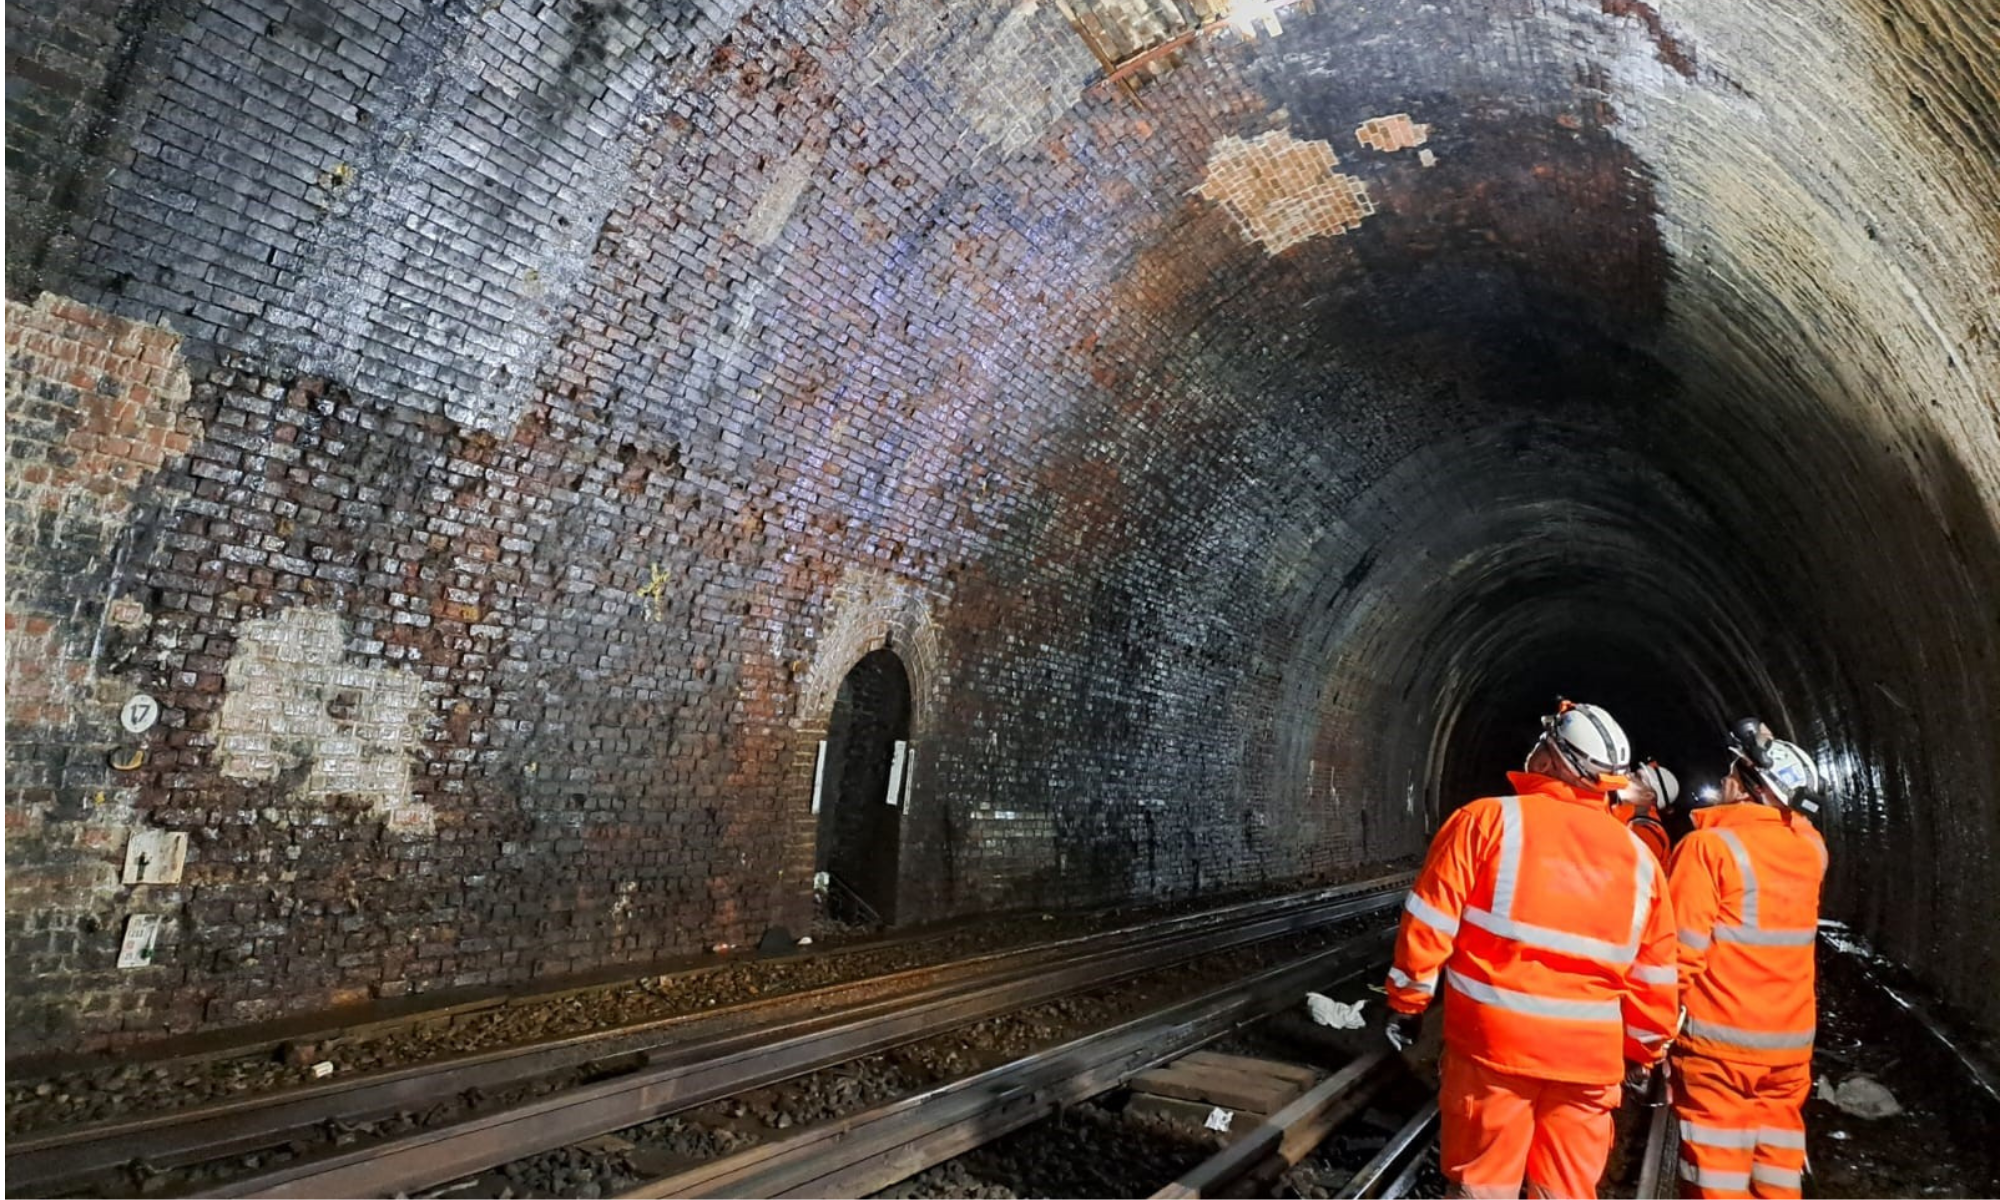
x,y
1526,277
76,72
861,805
1917,726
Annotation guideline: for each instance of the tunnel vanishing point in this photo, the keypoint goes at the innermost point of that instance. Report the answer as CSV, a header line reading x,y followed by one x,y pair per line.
x,y
488,483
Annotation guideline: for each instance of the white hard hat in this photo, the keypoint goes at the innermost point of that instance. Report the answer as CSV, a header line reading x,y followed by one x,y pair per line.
x,y
1588,740
1792,777
1779,766
1659,781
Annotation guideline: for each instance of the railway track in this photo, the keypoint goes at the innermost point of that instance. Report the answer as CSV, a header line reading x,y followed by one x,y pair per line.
x,y
420,1126
1657,1178
1393,1170
892,1145
883,1146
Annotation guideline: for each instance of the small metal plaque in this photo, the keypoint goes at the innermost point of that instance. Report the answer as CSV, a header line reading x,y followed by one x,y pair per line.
x,y
139,713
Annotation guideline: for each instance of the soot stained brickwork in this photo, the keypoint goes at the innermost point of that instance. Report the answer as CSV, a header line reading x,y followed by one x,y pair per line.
x,y
610,607
316,182
571,394
71,70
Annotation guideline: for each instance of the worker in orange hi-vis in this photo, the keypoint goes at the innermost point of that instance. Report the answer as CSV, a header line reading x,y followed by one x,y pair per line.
x,y
1653,790
1549,931
1745,886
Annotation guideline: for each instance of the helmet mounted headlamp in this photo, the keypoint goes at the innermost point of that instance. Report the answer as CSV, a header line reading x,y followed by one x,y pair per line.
x,y
1589,743
1779,768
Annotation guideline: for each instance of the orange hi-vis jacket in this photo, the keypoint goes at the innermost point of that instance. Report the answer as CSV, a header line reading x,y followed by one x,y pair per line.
x,y
1745,886
1647,828
1550,930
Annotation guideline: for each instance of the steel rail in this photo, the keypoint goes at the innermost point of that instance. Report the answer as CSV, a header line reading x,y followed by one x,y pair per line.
x,y
495,999
1376,1178
484,1001
684,1076
1405,1180
1291,1133
71,1159
875,1149
1662,1148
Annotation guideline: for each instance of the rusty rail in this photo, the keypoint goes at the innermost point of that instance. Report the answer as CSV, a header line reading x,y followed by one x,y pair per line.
x,y
99,1155
885,1145
661,1067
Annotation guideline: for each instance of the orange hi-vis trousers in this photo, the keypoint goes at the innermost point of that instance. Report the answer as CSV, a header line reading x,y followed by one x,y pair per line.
x,y
1742,1129
1497,1127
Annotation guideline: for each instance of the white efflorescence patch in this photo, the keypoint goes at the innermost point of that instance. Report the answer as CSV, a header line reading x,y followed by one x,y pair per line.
x,y
782,191
1282,191
1029,74
292,700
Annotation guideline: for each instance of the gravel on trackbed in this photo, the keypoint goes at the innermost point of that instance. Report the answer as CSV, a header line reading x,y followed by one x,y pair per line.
x,y
686,1139
1090,1150
1108,1148
131,1089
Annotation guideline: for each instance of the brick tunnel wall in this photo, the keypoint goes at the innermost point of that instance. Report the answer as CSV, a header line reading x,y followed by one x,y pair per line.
x,y
492,431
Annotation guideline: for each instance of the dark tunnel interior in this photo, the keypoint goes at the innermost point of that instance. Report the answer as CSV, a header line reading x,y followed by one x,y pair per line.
x,y
602,401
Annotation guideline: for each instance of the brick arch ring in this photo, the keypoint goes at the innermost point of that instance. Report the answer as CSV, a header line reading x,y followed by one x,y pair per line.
x,y
870,611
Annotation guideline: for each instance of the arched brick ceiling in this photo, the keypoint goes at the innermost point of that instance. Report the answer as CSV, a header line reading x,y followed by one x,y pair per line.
x,y
1259,454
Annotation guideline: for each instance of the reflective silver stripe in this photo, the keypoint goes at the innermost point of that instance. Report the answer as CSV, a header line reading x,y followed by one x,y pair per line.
x,y
1507,875
1642,888
1751,931
1744,936
1721,1181
1778,1175
1749,1039
1499,920
1645,1038
1693,938
1696,1134
1784,1139
1427,985
1534,1006
1656,974
1742,857
1550,939
1422,910
1611,746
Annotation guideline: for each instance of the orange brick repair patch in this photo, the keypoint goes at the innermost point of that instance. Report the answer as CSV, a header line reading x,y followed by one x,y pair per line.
x,y
1282,190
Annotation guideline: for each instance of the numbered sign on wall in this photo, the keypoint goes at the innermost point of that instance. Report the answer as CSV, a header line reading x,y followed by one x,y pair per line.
x,y
139,713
